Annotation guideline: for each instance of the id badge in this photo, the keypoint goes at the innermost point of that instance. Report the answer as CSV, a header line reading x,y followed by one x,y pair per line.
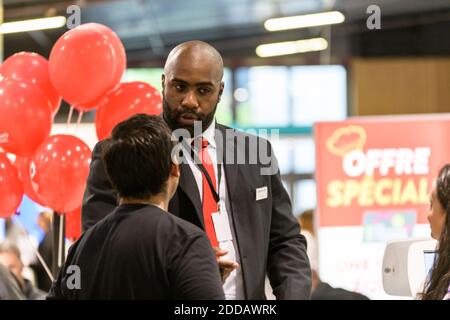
x,y
221,226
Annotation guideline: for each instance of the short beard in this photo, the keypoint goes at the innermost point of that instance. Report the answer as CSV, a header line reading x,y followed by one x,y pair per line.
x,y
171,116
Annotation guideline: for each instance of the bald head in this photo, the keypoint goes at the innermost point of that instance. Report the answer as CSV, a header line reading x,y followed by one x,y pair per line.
x,y
196,54
192,85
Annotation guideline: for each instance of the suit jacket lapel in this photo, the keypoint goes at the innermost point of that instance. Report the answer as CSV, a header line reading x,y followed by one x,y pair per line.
x,y
225,143
187,181
189,186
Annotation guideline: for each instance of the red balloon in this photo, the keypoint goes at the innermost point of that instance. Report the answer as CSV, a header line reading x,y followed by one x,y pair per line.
x,y
73,224
82,65
120,62
23,168
90,105
129,99
32,68
26,117
11,189
59,170
119,50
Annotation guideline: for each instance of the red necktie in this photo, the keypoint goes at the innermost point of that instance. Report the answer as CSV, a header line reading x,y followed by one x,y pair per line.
x,y
209,203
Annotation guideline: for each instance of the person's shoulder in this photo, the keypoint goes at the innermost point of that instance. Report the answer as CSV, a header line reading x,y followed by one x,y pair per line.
x,y
32,292
183,227
149,216
447,295
176,227
103,225
187,226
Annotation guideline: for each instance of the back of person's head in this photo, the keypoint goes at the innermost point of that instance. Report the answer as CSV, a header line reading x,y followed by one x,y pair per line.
x,y
439,282
137,158
443,189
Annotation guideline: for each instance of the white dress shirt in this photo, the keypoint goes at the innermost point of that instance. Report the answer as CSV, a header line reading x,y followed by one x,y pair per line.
x,y
233,286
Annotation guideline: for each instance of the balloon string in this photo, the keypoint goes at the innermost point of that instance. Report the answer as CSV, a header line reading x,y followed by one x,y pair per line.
x,y
41,260
80,116
61,239
69,118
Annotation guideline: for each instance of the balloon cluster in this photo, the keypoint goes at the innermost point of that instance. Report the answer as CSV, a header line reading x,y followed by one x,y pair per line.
x,y
85,67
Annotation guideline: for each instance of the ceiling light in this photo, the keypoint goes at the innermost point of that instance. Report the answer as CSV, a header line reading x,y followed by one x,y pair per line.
x,y
291,47
33,24
304,21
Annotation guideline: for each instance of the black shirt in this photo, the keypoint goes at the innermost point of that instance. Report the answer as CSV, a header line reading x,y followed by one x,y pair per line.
x,y
141,252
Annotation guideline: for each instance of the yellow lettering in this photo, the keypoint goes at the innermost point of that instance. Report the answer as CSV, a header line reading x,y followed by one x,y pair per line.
x,y
396,191
366,194
334,189
423,190
351,191
381,198
409,193
384,192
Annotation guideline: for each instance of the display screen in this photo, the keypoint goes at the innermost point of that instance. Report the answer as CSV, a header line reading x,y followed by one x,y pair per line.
x,y
429,256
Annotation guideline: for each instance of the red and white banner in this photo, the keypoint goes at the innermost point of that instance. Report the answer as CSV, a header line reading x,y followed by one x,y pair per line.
x,y
373,178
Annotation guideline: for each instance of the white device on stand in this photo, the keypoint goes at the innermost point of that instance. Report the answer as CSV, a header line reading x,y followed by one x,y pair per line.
x,y
406,265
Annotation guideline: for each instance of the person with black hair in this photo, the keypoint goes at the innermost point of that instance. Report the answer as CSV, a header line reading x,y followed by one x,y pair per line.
x,y
140,251
438,285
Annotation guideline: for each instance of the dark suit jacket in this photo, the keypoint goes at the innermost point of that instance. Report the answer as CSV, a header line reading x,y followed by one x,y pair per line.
x,y
267,234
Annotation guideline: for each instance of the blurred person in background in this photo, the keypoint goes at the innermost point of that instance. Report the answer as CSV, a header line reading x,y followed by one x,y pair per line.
x,y
20,237
9,286
45,249
10,257
321,290
438,215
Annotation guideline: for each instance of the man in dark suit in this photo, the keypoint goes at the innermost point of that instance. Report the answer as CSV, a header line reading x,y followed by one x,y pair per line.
x,y
234,192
